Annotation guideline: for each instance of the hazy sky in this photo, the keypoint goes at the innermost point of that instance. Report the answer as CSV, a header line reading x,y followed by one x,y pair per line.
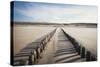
x,y
47,12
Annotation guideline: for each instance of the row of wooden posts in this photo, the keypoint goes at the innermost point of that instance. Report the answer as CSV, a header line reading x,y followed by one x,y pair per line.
x,y
35,52
82,51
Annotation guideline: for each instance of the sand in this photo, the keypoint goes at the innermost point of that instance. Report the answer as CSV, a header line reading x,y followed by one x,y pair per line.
x,y
25,34
85,36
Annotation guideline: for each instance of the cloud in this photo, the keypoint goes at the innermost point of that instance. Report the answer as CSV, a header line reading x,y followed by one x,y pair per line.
x,y
47,12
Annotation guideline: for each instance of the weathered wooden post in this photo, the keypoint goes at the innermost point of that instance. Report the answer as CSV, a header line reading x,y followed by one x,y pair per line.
x,y
37,52
79,49
82,52
41,47
30,60
93,58
88,56
35,56
33,59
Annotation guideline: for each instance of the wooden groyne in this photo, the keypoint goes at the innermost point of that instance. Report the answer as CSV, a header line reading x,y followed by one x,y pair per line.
x,y
82,51
67,49
30,54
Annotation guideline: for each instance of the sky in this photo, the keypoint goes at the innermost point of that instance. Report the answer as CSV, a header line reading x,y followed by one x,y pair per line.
x,y
53,12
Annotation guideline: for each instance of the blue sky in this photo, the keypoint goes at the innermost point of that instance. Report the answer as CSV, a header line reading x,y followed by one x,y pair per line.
x,y
47,12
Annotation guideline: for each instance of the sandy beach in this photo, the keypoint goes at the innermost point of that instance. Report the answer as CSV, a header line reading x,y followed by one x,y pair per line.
x,y
25,34
85,36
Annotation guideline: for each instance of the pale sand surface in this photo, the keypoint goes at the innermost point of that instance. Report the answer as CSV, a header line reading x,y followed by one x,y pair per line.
x,y
85,36
25,34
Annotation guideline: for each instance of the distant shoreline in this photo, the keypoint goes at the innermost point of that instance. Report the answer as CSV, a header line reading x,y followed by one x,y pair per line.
x,y
89,25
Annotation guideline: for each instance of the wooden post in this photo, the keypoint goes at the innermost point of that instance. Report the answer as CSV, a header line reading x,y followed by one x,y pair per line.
x,y
78,49
41,47
33,59
83,52
37,53
93,58
88,56
35,56
30,60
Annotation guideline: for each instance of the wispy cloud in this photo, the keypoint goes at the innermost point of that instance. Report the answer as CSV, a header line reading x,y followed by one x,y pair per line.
x,y
54,12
